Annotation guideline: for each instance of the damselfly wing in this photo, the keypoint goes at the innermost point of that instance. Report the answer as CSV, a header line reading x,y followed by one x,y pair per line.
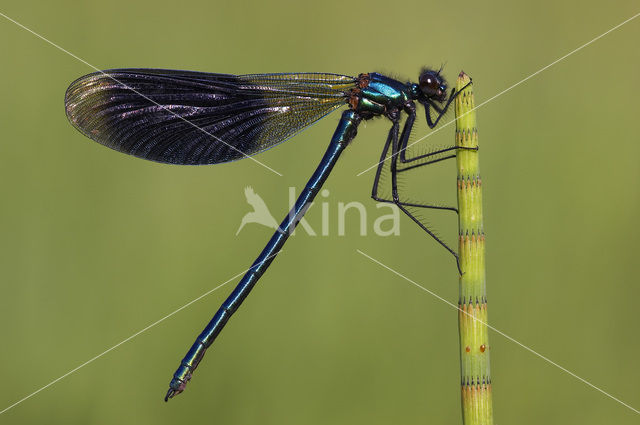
x,y
184,117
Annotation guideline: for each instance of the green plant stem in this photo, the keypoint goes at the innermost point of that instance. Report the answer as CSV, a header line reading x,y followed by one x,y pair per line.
x,y
472,316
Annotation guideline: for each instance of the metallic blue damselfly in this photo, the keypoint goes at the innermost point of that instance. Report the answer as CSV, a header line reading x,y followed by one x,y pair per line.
x,y
193,118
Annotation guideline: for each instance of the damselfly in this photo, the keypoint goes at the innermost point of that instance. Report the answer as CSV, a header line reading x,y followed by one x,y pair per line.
x,y
183,117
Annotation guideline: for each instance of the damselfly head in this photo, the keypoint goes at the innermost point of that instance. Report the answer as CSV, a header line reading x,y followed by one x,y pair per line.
x,y
433,85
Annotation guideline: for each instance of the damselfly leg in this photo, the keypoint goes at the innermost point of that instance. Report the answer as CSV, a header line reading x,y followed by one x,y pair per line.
x,y
399,144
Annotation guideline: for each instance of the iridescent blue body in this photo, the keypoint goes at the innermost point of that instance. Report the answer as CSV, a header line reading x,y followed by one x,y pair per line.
x,y
344,133
183,117
387,93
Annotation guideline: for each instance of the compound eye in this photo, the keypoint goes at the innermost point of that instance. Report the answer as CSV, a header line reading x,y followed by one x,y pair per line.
x,y
430,84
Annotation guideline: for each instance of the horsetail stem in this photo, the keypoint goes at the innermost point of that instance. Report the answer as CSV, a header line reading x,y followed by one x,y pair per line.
x,y
472,315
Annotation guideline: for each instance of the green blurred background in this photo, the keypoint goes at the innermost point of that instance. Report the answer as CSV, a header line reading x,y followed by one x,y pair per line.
x,y
96,245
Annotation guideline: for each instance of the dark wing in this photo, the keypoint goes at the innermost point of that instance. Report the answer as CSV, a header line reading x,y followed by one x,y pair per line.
x,y
183,117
